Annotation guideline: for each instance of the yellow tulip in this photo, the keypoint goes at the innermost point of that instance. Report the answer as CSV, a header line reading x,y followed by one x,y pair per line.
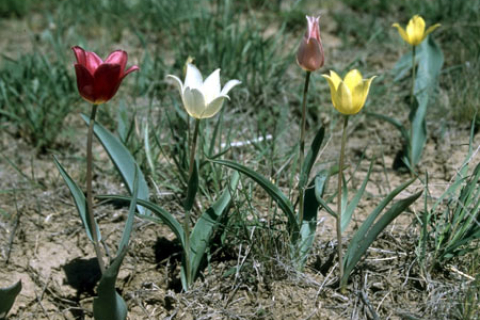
x,y
348,95
415,32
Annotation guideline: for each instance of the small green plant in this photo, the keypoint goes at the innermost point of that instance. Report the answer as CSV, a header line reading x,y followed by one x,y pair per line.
x,y
429,57
36,95
450,227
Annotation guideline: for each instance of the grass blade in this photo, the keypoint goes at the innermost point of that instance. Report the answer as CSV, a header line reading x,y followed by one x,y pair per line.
x,y
274,192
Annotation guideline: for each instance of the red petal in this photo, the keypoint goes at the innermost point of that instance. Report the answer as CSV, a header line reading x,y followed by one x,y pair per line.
x,y
130,70
85,83
107,80
118,57
92,61
79,54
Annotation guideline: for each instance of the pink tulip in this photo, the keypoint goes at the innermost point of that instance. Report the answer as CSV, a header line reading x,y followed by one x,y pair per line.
x,y
98,81
310,54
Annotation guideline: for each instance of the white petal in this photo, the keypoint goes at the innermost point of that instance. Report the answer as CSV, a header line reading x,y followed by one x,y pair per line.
x,y
194,102
228,86
214,107
193,79
211,86
178,83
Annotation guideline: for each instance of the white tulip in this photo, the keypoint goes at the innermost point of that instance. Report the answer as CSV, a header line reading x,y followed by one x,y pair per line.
x,y
202,99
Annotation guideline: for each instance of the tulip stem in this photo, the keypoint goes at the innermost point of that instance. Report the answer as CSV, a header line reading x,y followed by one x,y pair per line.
x,y
91,217
301,185
339,201
412,109
186,222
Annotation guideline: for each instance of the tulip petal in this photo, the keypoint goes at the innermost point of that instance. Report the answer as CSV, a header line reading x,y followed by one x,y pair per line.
x,y
353,79
178,83
85,83
79,55
130,70
193,78
118,57
431,29
360,94
310,55
344,99
333,89
194,102
213,108
402,32
107,81
229,86
211,86
92,61
416,30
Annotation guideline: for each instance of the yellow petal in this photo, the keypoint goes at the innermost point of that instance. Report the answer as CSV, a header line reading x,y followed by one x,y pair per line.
x,y
335,78
333,90
344,99
416,30
431,29
353,79
360,95
402,32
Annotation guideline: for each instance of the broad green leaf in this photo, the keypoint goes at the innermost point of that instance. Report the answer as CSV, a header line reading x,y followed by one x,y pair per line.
x,y
7,298
311,156
109,305
160,215
362,231
310,211
274,192
358,248
123,161
348,212
80,201
192,188
208,223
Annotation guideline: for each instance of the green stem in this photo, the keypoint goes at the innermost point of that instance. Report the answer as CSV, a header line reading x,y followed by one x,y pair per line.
x,y
339,201
91,217
412,108
186,222
301,187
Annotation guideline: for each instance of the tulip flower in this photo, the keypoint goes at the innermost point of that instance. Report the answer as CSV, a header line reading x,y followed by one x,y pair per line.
x,y
202,99
415,32
310,53
348,95
98,80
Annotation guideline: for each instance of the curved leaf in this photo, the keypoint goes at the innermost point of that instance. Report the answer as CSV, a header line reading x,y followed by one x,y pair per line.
x,y
80,202
123,161
274,192
311,156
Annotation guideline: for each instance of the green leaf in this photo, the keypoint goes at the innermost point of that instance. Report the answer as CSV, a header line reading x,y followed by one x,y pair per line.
x,y
7,298
192,188
311,156
80,202
109,305
207,224
310,211
274,192
348,212
366,235
160,215
123,161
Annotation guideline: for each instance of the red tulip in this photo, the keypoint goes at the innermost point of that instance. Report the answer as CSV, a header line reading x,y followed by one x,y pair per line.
x,y
98,81
310,54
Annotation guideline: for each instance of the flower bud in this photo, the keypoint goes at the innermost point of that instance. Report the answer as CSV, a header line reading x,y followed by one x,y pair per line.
x,y
310,53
